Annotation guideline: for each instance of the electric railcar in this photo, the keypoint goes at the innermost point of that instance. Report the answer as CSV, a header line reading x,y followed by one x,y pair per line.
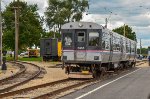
x,y
89,48
148,51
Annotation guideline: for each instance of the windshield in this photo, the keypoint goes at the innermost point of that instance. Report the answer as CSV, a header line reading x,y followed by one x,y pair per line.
x,y
93,39
67,39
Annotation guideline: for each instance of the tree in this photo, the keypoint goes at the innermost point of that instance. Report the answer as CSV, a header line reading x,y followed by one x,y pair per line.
x,y
59,12
144,51
128,32
30,29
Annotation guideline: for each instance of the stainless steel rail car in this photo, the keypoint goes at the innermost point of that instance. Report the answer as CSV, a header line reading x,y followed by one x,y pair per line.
x,y
148,51
92,49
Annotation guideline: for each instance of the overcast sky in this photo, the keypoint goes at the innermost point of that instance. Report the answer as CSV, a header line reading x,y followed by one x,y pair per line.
x,y
135,13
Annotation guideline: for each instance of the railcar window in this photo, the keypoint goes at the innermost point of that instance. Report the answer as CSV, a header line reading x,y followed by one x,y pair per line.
x,y
114,43
67,39
127,47
47,43
106,41
107,45
103,41
118,44
149,48
132,48
103,44
81,37
124,45
93,39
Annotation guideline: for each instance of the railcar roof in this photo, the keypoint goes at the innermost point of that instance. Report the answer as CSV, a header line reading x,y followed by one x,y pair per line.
x,y
118,35
82,25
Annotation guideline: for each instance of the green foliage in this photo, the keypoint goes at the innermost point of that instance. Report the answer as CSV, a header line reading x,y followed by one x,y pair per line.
x,y
144,51
51,35
128,32
30,29
59,12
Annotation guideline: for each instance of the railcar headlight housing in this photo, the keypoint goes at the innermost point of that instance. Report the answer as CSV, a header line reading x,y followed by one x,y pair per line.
x,y
96,57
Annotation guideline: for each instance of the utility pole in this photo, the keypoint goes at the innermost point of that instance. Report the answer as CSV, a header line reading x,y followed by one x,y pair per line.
x,y
140,46
54,31
16,29
124,30
106,21
0,35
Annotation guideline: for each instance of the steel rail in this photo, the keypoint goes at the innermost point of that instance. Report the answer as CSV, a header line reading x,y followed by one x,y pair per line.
x,y
11,93
21,70
23,81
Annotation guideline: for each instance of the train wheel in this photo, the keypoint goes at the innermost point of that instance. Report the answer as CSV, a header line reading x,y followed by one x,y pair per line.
x,y
121,66
67,70
134,64
131,65
102,72
126,65
94,74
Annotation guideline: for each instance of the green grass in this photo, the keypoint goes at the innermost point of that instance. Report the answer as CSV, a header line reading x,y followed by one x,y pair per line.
x,y
37,59
25,58
31,59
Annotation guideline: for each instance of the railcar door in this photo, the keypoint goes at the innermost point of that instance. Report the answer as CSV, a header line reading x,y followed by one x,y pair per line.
x,y
80,45
48,49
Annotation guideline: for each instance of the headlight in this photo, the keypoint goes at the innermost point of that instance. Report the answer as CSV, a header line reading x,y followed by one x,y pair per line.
x,y
64,57
96,57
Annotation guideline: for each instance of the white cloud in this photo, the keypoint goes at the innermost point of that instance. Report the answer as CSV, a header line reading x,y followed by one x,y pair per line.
x,y
88,17
135,13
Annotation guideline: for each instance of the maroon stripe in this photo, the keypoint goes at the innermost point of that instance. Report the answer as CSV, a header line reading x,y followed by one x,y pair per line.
x,y
91,50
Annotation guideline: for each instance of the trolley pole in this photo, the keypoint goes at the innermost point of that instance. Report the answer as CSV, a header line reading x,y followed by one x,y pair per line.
x,y
0,36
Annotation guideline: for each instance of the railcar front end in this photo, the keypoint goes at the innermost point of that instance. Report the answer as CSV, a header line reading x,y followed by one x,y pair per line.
x,y
81,47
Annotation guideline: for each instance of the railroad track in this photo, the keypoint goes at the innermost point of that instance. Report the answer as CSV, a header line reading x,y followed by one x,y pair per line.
x,y
47,90
27,73
51,88
22,69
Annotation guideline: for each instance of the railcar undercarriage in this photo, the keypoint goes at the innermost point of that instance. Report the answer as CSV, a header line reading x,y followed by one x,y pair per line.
x,y
97,70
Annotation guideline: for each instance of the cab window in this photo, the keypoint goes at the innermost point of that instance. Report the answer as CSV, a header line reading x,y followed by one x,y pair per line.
x,y
67,39
81,37
93,39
